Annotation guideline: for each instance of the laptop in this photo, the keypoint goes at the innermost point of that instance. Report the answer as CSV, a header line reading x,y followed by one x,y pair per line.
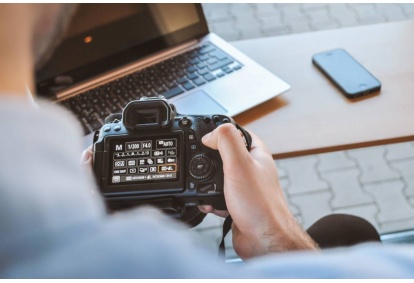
x,y
115,53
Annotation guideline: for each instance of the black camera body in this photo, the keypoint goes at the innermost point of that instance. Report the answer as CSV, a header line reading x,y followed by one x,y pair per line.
x,y
152,155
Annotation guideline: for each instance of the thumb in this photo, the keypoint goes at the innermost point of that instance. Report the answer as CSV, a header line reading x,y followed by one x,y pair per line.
x,y
86,158
227,139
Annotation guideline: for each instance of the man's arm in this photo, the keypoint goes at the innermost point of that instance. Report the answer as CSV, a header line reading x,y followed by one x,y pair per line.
x,y
262,220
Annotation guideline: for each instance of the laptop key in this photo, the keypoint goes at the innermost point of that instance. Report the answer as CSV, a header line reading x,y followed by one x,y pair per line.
x,y
172,92
209,77
212,61
221,74
203,71
159,89
204,57
193,54
85,128
180,73
182,80
194,61
192,76
217,54
188,86
199,81
220,64
206,48
191,69
201,65
95,125
228,70
170,85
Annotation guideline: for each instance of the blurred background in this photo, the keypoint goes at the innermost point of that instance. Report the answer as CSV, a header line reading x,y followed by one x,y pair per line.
x,y
376,183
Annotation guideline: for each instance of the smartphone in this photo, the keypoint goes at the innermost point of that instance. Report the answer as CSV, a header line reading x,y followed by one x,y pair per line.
x,y
346,73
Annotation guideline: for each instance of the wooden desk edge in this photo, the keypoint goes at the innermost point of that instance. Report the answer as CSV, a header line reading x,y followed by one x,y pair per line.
x,y
342,147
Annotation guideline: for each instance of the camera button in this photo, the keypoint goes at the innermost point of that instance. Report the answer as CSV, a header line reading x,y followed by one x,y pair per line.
x,y
201,166
191,186
207,187
226,120
207,120
107,129
216,118
192,136
193,146
184,122
117,128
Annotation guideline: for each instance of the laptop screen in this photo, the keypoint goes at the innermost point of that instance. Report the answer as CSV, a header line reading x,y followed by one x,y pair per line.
x,y
105,36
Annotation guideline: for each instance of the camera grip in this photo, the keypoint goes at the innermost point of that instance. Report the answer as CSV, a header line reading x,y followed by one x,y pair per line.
x,y
247,137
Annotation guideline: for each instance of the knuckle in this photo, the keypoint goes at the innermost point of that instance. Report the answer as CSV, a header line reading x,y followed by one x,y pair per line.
x,y
226,130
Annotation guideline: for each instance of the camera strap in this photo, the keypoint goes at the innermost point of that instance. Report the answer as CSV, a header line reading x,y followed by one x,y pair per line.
x,y
226,228
228,221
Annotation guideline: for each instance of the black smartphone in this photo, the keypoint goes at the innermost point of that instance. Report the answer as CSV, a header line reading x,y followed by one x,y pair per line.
x,y
346,73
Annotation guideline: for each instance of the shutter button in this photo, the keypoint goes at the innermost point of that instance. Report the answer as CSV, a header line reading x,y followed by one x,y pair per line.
x,y
185,122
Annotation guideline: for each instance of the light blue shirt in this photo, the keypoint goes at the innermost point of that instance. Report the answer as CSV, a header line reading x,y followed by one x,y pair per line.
x,y
53,222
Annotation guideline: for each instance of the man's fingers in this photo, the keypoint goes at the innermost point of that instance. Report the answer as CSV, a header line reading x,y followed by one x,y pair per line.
x,y
210,209
87,155
230,144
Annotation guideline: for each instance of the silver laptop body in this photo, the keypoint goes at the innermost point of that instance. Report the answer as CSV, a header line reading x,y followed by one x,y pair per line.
x,y
231,94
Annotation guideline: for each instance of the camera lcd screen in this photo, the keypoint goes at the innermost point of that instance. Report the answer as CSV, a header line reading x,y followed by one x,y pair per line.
x,y
144,160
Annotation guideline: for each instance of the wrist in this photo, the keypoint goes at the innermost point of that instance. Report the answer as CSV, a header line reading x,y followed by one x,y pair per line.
x,y
285,234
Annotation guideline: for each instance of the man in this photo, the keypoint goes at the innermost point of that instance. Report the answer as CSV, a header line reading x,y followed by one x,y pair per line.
x,y
53,223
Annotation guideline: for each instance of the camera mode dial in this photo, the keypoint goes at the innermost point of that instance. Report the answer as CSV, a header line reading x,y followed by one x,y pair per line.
x,y
201,167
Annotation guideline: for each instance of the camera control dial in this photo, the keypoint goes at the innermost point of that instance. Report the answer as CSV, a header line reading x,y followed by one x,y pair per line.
x,y
201,166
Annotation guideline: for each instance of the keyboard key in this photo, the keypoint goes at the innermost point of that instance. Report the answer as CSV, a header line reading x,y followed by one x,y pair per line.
x,y
220,64
188,86
238,67
160,89
172,92
85,128
95,125
170,85
169,78
179,73
221,74
201,65
227,70
199,81
209,77
191,69
203,71
193,54
206,48
182,80
204,57
212,61
217,54
194,61
192,76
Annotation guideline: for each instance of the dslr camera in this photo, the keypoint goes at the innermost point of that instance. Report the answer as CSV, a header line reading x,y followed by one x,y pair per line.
x,y
149,154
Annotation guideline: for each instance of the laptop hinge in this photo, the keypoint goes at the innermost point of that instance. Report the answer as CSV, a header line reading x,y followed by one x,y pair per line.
x,y
124,70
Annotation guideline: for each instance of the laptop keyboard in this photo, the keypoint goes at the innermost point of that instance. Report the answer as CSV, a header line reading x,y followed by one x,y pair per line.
x,y
169,78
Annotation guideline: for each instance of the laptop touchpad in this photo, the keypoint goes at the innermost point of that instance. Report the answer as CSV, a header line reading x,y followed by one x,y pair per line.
x,y
198,103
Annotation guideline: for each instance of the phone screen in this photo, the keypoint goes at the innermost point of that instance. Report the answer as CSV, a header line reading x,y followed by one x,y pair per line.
x,y
349,75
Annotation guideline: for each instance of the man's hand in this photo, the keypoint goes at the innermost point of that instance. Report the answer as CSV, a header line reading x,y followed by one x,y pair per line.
x,y
86,158
262,220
